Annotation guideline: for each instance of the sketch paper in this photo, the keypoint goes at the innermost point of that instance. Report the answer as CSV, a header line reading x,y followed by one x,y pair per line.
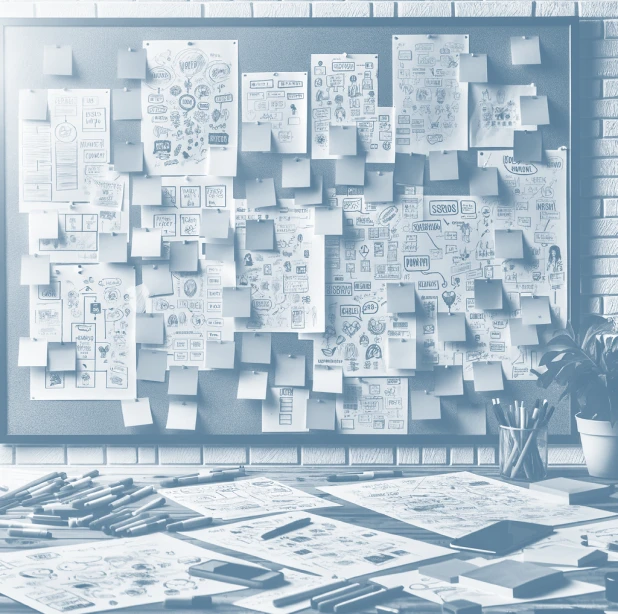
x,y
92,307
327,547
431,105
285,410
244,498
190,106
107,575
279,98
375,134
455,504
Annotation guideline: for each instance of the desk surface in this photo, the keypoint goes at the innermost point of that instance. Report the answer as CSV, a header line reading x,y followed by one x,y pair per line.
x,y
306,479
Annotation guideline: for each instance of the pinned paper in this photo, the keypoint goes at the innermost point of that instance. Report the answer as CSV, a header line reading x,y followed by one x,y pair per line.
x,y
528,145
260,234
409,169
401,353
181,415
236,302
534,110
43,225
312,195
473,68
157,278
379,187
487,376
525,50
222,161
424,405
184,256
328,221
131,63
443,166
484,181
126,104
535,310
509,244
321,414
256,136
342,140
150,328
215,224
350,170
32,352
448,381
136,412
146,243
220,354
129,157
260,193
290,370
183,381
328,379
152,365
451,327
58,60
61,356
146,190
295,172
252,385
33,105
488,293
522,334
221,252
401,297
34,270
256,348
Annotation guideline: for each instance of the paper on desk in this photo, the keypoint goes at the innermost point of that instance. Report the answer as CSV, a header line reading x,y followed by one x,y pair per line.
x,y
285,410
136,412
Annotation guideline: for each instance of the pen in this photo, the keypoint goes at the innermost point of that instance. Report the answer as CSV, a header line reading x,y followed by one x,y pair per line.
x,y
151,505
329,604
48,519
365,475
30,533
360,603
311,592
287,528
142,493
190,524
170,482
344,590
220,476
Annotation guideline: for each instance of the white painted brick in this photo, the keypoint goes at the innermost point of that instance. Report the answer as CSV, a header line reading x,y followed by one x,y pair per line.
x,y
146,455
435,8
565,455
180,455
121,455
462,455
227,9
599,285
599,267
486,455
591,304
545,8
323,455
610,207
10,10
86,455
224,455
600,167
602,108
599,49
408,456
601,147
610,305
602,247
602,9
603,186
590,29
281,9
273,455
383,9
434,456
340,9
6,455
371,456
591,207
599,67
611,28
610,127
590,128
40,455
66,10
488,8
607,227
152,10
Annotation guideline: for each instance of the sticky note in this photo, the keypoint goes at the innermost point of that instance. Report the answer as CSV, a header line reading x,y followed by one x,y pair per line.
x,y
424,405
236,302
327,379
295,172
321,414
525,50
488,293
256,348
448,381
33,105
184,256
34,270
129,157
534,110
290,370
181,415
535,310
136,412
260,193
312,195
183,381
379,187
221,252
473,67
126,104
484,181
146,243
252,385
350,170
401,297
58,60
215,224
443,166
43,224
522,334
401,353
256,136
61,356
131,63
260,234
409,169
149,328
157,278
32,352
328,221
222,161
487,376
113,247
509,243
342,140
451,327
145,190
528,145
151,365
220,354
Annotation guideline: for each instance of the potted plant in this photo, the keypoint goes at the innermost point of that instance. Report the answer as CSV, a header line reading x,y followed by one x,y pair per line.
x,y
586,366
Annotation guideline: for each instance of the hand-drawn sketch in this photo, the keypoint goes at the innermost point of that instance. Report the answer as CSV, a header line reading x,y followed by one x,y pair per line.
x,y
109,189
375,135
189,105
285,410
431,105
35,165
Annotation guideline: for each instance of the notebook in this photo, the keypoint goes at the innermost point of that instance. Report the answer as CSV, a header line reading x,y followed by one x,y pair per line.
x,y
573,492
565,556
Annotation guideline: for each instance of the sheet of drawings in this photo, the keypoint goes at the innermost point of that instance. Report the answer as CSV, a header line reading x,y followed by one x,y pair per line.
x,y
189,104
326,547
35,165
431,105
495,113
375,134
455,504
376,406
91,306
287,283
279,98
244,498
107,575
285,410
344,89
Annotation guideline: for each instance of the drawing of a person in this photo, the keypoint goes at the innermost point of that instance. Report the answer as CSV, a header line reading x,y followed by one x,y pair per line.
x,y
339,110
353,88
554,262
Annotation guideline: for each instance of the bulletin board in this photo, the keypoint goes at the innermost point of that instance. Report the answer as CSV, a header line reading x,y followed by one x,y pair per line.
x,y
263,45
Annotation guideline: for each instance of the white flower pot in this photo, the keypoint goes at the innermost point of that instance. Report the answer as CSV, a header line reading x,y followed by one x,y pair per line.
x,y
600,446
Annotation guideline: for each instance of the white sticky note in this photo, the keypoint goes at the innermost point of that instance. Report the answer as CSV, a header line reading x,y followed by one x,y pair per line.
x,y
236,302
58,60
525,50
379,187
252,385
113,247
136,412
184,256
509,244
260,234
131,63
443,166
260,193
448,381
488,293
473,67
290,370
157,278
181,415
321,414
256,136
342,140
129,157
215,224
256,348
126,104
33,105
61,356
295,172
32,352
183,381
528,145
522,334
34,270
401,353
328,221
409,169
401,297
146,243
152,365
487,376
328,379
150,328
313,195
424,405
350,170
535,310
145,190
451,327
43,225
484,181
220,354
534,110
222,161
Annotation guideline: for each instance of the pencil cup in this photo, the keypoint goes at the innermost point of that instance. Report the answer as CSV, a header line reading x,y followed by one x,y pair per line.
x,y
523,453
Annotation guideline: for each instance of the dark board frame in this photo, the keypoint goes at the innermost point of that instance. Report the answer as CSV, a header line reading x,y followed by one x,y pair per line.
x,y
10,431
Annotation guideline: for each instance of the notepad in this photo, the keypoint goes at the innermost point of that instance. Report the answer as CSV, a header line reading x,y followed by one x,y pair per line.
x,y
447,571
260,235
146,243
295,172
473,67
342,140
525,50
181,415
151,365
451,327
149,328
256,136
136,412
129,157
61,356
146,190
252,385
522,334
220,354
488,294
215,224
565,556
535,310
448,381
328,221
378,187
313,195
32,352
33,105
113,247
327,379
58,60
484,181
443,166
34,270
409,169
131,63
401,353
487,376
157,278
290,370
573,492
126,104
534,110
260,193
183,381
350,170
184,256
321,414
425,405
256,348
401,297
236,302
528,145
509,243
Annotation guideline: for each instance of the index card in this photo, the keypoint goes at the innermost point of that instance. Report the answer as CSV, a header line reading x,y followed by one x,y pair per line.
x,y
312,195
126,104
424,405
129,157
509,243
484,181
236,302
43,225
32,352
136,412
379,187
34,270
149,328
443,166
220,354
256,348
222,161
534,110
488,293
146,243
181,414
522,334
145,190
33,105
525,50
260,234
342,140
327,379
473,68
131,63
401,353
535,310
157,278
321,414
528,145
295,172
256,136
350,170
290,370
401,297
260,193
152,365
409,169
184,256
328,221
487,376
448,381
58,60
252,385
451,326
215,224
61,356
183,381
220,252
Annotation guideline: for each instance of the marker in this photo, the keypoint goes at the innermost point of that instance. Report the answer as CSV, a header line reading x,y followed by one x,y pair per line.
x,y
280,602
365,475
9,524
108,519
90,474
287,528
219,476
30,533
106,500
46,478
44,492
126,483
345,590
131,522
329,604
144,529
48,519
187,603
171,482
360,603
82,501
142,493
151,505
74,496
190,524
75,486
